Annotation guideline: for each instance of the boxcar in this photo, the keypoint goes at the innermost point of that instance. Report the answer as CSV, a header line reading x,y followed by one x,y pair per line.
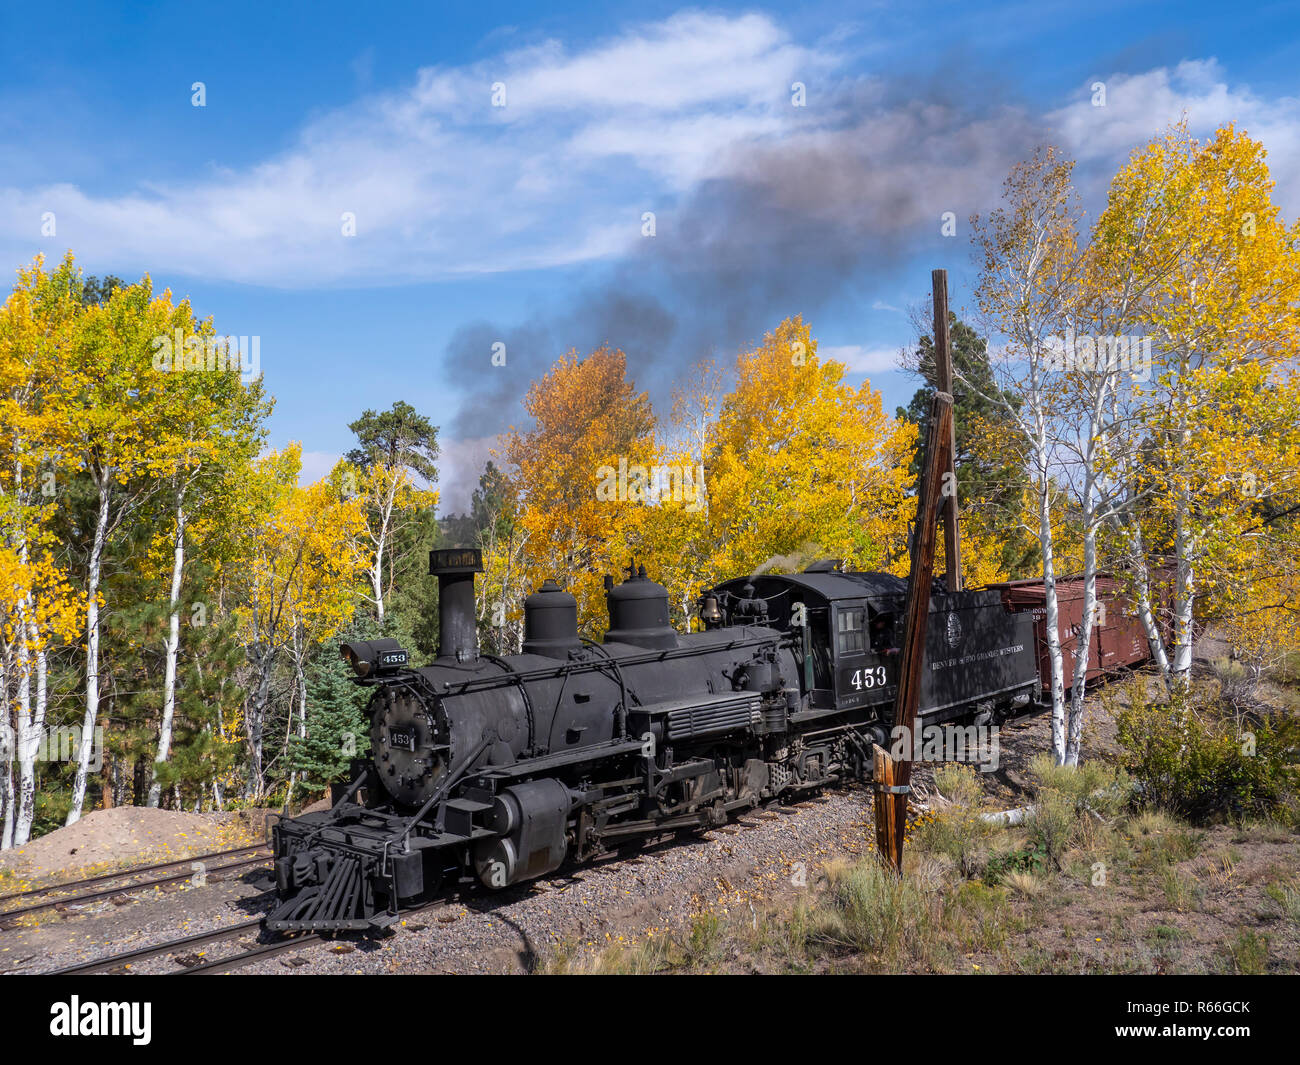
x,y
1118,640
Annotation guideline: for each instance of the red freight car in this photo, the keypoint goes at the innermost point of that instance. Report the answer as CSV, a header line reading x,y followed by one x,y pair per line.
x,y
1118,639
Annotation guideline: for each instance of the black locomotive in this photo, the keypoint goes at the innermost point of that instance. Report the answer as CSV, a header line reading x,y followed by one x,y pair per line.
x,y
501,768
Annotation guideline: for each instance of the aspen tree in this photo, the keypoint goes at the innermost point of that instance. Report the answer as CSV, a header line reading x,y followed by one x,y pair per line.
x,y
302,583
1028,290
37,605
1192,228
213,428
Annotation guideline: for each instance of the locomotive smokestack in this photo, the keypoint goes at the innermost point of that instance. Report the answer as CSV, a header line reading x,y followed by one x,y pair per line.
x,y
457,631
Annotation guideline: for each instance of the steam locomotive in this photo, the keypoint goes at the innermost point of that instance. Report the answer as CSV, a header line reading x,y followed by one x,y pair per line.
x,y
499,769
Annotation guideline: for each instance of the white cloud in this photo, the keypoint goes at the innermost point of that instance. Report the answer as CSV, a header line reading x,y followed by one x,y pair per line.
x,y
315,465
444,184
441,182
861,359
1139,106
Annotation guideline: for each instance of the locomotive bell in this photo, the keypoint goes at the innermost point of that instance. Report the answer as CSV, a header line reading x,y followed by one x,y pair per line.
x,y
710,612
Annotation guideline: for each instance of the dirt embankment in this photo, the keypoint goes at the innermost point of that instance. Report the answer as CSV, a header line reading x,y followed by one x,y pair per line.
x,y
104,840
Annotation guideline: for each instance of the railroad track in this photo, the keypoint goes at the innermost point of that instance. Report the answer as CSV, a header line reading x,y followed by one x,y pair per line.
x,y
171,946
119,963
253,859
135,871
247,957
211,966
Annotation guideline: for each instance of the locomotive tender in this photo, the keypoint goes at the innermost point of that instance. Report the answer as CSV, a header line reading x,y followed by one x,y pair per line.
x,y
501,768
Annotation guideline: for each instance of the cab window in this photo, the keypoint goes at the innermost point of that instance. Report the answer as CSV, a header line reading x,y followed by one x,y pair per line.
x,y
882,634
851,630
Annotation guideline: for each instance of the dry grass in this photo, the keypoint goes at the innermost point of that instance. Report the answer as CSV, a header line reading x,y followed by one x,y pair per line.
x,y
1083,886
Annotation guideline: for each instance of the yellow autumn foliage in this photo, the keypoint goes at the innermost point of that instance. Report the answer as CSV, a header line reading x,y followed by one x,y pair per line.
x,y
793,464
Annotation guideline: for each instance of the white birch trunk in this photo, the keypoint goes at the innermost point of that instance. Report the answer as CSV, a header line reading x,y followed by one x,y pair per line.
x,y
17,740
7,789
23,739
6,760
255,719
298,653
387,505
30,747
1185,556
1184,600
1083,645
376,578
171,649
92,651
1102,390
1051,611
1145,611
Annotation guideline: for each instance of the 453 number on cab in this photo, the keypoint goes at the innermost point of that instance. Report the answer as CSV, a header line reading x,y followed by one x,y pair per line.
x,y
862,679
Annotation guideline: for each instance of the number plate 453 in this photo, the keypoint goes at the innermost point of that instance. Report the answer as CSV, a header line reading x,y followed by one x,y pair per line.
x,y
862,679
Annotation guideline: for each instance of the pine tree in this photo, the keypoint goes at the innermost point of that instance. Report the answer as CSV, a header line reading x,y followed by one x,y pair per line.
x,y
991,476
337,730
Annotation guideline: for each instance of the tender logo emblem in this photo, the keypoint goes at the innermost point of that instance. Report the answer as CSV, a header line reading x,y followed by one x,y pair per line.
x,y
953,629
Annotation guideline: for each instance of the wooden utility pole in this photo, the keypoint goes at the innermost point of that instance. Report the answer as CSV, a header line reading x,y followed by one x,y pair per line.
x,y
893,778
943,383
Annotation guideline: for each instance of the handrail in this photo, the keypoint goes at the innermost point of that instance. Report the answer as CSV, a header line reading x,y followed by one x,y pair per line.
x,y
523,691
453,776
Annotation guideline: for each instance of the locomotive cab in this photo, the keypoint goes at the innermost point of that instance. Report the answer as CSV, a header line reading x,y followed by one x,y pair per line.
x,y
865,669
844,629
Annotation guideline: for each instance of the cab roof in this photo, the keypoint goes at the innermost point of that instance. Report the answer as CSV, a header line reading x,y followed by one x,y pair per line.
x,y
829,585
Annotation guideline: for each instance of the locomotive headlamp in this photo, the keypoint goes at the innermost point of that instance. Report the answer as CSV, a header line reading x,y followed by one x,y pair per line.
x,y
368,657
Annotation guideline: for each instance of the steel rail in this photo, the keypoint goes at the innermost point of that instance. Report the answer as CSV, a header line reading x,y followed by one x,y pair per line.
x,y
114,961
137,871
247,957
94,896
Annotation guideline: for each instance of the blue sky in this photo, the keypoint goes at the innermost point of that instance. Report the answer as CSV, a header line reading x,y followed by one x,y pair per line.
x,y
523,223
